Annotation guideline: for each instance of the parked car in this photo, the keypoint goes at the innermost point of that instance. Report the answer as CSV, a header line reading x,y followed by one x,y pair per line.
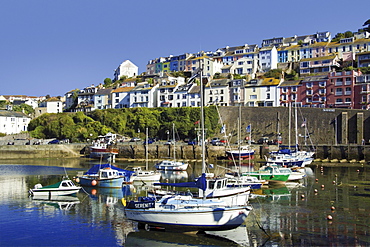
x,y
169,142
219,143
263,140
55,141
135,139
215,140
150,141
192,142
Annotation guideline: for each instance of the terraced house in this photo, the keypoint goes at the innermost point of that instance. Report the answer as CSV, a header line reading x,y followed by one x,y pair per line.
x,y
324,76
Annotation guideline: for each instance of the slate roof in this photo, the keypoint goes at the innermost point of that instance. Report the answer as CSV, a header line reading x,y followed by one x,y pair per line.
x,y
4,113
290,83
315,78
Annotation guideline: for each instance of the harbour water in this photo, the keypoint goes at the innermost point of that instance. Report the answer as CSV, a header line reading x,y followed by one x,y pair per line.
x,y
295,214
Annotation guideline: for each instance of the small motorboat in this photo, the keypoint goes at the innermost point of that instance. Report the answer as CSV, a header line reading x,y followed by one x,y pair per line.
x,y
62,188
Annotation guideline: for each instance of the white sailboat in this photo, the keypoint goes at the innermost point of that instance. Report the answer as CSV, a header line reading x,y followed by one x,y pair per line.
x,y
172,165
146,175
184,212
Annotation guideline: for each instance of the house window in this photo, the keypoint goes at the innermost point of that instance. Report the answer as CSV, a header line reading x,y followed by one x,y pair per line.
x,y
339,101
253,96
348,81
339,82
339,91
348,91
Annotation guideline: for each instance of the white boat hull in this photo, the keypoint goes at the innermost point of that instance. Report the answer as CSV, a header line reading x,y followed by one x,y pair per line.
x,y
145,178
191,219
171,166
56,192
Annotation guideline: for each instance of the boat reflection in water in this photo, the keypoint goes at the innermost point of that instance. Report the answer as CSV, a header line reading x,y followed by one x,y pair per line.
x,y
174,176
156,237
55,202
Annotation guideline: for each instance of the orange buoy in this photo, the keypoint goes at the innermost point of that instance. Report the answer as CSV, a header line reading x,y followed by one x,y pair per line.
x,y
332,208
77,180
93,183
329,217
315,190
322,186
93,191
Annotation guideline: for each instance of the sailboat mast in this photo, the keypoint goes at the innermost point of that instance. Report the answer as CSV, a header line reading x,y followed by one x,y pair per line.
x,y
296,125
146,148
174,141
239,126
290,123
202,119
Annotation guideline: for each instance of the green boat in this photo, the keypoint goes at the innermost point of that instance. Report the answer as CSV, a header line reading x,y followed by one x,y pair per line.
x,y
270,173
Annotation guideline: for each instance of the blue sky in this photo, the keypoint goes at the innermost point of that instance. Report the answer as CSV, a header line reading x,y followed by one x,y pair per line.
x,y
54,46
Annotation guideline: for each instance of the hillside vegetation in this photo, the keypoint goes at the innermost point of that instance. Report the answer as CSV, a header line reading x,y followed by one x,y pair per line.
x,y
128,122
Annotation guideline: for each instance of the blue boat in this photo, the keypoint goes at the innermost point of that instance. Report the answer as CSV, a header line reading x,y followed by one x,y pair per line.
x,y
105,176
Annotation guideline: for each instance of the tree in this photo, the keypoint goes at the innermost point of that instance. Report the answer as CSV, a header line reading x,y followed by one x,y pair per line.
x,y
27,109
107,82
274,73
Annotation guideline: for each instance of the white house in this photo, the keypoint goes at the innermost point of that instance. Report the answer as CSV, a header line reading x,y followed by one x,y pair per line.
x,y
52,105
13,122
121,97
143,95
102,99
216,92
268,58
127,68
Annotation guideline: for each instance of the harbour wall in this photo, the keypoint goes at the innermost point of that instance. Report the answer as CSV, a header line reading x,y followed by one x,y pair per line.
x,y
348,152
315,126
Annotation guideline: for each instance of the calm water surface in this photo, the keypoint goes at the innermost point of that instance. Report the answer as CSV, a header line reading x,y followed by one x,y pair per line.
x,y
291,215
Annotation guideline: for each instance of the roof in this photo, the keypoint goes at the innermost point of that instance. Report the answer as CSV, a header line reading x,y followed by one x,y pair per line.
x,y
219,83
123,89
269,82
331,57
263,82
195,89
315,78
106,91
4,113
290,83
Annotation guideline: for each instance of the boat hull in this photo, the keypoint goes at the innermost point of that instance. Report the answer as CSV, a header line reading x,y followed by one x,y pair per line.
x,y
171,166
54,192
271,178
189,219
102,183
145,178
